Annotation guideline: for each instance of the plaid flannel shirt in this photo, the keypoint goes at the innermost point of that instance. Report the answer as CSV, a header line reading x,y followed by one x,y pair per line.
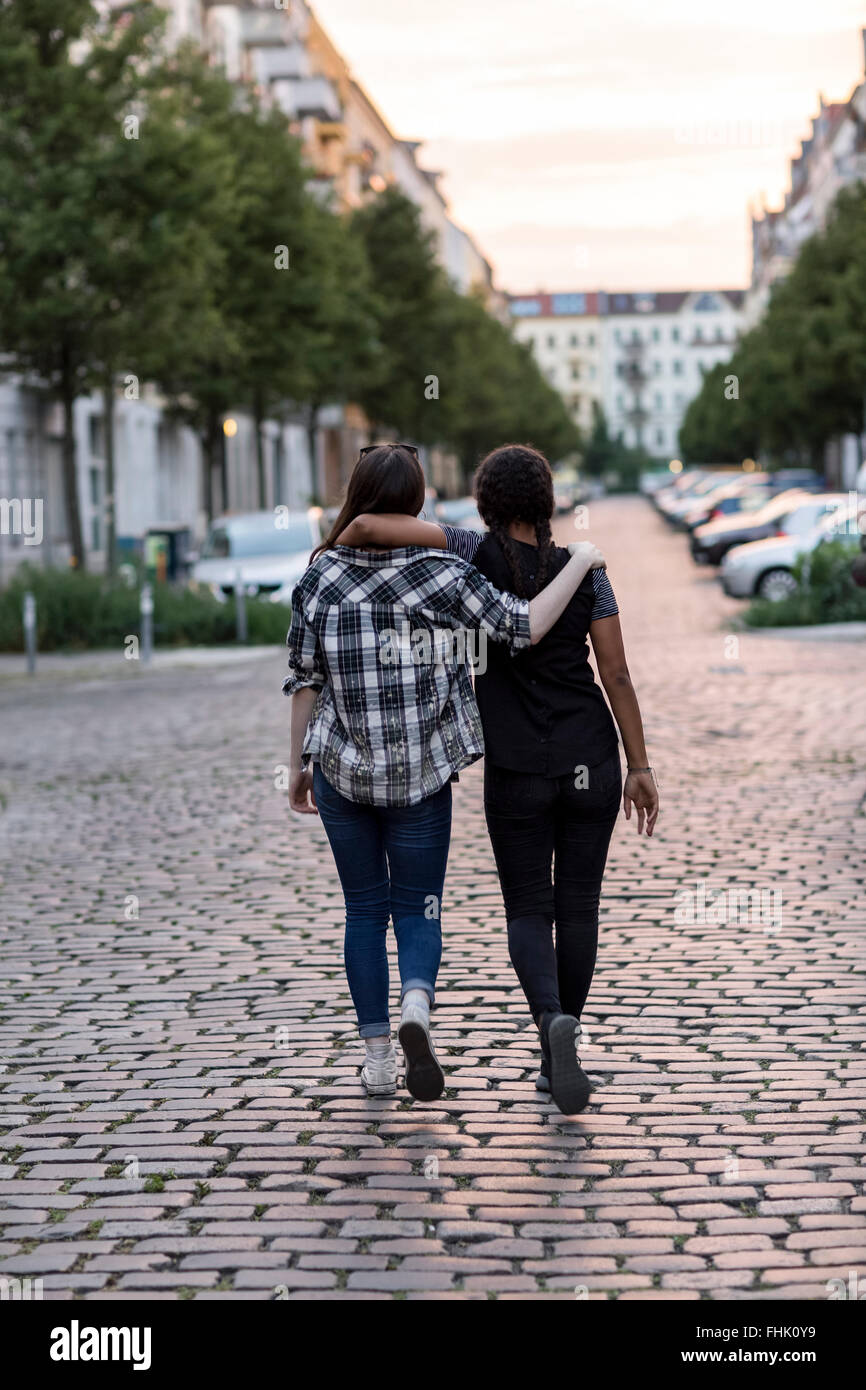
x,y
388,728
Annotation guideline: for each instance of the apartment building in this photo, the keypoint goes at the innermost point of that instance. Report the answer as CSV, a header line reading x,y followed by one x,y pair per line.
x,y
641,356
831,156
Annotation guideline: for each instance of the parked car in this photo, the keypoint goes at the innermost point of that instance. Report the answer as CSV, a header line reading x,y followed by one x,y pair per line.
x,y
727,498
710,542
271,550
765,568
804,479
676,508
461,511
681,486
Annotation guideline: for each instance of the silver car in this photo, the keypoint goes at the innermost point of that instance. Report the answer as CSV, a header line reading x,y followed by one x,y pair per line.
x,y
268,551
764,569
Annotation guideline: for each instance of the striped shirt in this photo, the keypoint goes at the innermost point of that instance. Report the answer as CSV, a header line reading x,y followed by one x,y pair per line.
x,y
384,638
465,544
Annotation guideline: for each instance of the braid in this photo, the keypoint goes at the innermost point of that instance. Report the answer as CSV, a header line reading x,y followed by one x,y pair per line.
x,y
512,556
546,549
515,484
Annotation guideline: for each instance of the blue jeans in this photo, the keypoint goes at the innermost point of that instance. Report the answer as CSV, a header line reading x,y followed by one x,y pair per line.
x,y
391,862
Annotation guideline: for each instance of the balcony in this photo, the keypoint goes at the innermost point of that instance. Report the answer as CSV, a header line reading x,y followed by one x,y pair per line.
x,y
308,96
289,62
264,28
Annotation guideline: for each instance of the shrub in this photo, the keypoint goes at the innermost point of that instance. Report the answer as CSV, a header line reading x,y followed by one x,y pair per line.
x,y
827,592
77,611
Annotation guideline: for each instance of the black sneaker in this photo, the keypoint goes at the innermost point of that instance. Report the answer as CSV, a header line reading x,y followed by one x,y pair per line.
x,y
568,1083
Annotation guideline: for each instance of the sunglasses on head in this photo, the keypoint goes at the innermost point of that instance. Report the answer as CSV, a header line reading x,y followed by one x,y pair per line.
x,y
369,447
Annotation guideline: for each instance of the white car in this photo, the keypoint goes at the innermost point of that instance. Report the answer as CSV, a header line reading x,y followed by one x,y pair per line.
x,y
269,550
764,569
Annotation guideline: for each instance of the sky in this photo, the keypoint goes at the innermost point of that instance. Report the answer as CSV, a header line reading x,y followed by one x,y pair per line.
x,y
617,144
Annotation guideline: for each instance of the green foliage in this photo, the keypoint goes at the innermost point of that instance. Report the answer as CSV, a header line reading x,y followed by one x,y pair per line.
x,y
152,252
827,592
801,370
609,458
490,389
77,611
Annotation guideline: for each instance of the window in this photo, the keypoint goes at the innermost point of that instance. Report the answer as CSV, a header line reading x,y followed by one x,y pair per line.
x,y
677,366
656,335
551,340
660,437
617,335
572,342
620,404
657,368
659,400
675,335
575,371
592,373
591,340
635,336
679,400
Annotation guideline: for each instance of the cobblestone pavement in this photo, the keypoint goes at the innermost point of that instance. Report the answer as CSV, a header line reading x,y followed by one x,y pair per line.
x,y
183,1113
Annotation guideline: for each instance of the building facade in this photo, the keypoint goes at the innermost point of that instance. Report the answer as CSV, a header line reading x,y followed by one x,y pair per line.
x,y
641,356
831,157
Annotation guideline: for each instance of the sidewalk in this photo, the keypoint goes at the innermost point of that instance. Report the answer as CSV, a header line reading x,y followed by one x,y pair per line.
x,y
90,664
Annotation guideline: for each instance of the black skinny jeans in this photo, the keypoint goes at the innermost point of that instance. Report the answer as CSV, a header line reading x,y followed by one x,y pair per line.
x,y
531,820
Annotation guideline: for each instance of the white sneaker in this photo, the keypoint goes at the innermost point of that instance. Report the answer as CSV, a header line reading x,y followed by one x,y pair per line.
x,y
379,1075
425,1079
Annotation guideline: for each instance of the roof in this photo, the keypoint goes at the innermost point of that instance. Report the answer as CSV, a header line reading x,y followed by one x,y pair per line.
x,y
568,304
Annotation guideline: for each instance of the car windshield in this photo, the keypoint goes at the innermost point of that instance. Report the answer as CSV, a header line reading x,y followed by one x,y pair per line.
x,y
243,538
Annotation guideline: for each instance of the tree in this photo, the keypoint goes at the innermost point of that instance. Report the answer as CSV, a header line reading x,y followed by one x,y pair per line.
x,y
67,76
410,287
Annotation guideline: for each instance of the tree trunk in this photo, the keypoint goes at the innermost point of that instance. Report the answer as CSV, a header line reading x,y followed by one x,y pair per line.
x,y
208,447
258,414
222,447
312,423
110,479
70,473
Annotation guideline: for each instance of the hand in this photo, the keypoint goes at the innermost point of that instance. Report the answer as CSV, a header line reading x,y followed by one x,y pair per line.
x,y
587,551
641,792
300,789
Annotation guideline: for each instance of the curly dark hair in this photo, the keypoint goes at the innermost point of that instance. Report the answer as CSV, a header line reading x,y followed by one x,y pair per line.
x,y
514,483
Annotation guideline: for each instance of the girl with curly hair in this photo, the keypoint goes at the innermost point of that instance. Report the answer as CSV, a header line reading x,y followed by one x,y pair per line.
x,y
552,777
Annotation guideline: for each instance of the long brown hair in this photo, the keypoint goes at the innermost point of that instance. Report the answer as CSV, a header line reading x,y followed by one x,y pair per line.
x,y
387,479
514,483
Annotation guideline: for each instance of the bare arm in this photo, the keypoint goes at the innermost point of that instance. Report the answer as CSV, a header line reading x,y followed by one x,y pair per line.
x,y
552,601
301,797
640,789
390,531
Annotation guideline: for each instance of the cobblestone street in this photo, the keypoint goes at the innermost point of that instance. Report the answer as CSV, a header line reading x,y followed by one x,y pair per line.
x,y
183,1116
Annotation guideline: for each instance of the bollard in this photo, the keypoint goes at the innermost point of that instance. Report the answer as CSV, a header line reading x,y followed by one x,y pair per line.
x,y
240,607
29,619
146,608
